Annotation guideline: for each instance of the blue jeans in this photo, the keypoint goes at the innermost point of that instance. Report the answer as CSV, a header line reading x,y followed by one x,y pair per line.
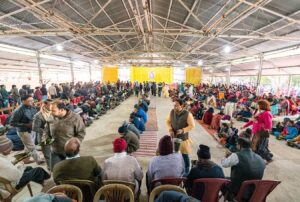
x,y
56,158
186,159
45,97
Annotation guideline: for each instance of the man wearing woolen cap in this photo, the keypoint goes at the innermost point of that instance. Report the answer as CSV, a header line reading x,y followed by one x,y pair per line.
x,y
114,166
167,164
204,168
19,175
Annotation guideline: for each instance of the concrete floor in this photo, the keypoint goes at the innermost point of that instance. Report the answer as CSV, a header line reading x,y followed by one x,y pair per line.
x,y
98,143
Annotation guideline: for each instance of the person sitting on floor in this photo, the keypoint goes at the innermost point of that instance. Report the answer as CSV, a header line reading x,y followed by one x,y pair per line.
x,y
215,123
138,122
245,165
76,166
131,139
122,166
143,105
208,115
167,164
132,128
18,175
292,131
204,168
140,113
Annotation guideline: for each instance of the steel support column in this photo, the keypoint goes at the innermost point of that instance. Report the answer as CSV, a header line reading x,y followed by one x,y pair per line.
x,y
289,84
228,75
90,71
38,59
261,61
72,72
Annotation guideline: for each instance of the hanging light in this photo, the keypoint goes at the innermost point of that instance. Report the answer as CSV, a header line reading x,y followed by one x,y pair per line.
x,y
59,47
186,65
200,63
96,62
227,49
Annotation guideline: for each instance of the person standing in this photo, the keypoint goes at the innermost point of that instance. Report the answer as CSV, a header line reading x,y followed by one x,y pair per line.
x,y
22,119
261,126
179,123
40,120
159,89
15,94
52,91
38,94
4,95
44,92
65,125
136,89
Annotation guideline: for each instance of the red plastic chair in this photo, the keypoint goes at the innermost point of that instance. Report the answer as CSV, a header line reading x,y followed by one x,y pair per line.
x,y
178,181
262,189
212,187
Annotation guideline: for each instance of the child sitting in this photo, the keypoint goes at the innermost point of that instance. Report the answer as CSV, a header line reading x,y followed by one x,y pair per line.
x,y
223,132
231,140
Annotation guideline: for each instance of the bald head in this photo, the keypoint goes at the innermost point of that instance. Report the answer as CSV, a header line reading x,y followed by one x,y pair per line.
x,y
72,147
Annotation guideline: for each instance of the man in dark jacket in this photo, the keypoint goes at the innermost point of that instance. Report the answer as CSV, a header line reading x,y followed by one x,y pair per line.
x,y
245,165
204,168
39,123
44,92
22,119
66,124
131,139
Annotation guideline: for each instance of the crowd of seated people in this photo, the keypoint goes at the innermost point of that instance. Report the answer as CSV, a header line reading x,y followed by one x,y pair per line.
x,y
215,104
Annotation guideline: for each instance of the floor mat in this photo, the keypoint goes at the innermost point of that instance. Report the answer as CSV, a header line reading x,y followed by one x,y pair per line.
x,y
151,124
153,103
148,144
212,132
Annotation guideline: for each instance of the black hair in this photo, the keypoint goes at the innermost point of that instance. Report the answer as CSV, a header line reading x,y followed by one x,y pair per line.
x,y
180,101
25,97
244,142
60,104
13,86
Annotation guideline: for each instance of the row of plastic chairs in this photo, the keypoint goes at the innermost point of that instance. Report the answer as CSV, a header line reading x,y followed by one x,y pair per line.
x,y
119,190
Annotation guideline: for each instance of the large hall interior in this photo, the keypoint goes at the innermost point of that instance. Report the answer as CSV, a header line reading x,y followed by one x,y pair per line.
x,y
149,100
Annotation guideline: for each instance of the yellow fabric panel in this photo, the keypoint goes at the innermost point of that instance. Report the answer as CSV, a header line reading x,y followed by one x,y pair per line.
x,y
193,75
110,74
158,74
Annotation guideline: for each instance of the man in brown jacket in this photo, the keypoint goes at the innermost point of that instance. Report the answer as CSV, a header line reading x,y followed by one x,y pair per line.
x,y
66,124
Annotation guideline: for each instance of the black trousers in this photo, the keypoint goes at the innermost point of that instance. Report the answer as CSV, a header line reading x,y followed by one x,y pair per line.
x,y
37,175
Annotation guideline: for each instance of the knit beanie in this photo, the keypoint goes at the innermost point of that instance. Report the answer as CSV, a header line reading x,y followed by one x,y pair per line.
x,y
5,144
120,145
165,146
122,129
203,152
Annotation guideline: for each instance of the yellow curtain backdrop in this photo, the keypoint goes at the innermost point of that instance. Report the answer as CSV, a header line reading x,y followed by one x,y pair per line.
x,y
193,75
110,74
157,74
